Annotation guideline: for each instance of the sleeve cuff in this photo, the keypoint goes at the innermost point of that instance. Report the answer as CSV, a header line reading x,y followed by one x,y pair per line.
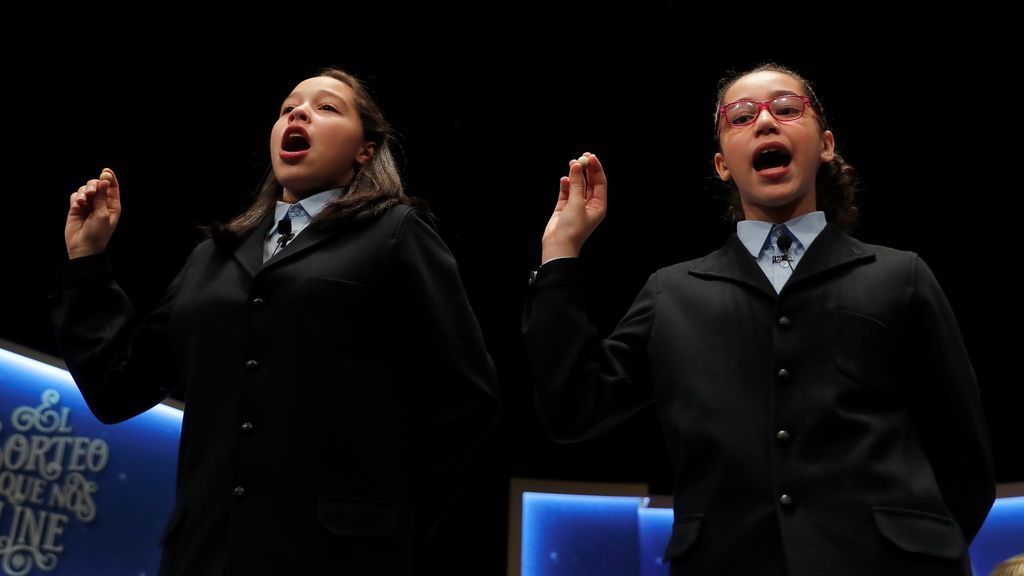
x,y
86,269
556,271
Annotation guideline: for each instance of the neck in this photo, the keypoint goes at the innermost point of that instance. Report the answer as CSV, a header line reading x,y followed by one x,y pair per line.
x,y
292,196
778,214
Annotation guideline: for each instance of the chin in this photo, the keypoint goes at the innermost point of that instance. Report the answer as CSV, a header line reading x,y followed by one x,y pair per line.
x,y
294,177
296,185
774,201
777,195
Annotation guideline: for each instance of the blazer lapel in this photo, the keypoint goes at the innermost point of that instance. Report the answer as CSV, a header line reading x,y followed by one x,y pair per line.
x,y
310,237
734,263
250,251
830,250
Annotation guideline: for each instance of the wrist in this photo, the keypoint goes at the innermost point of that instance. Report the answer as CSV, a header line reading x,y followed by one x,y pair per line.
x,y
82,252
550,252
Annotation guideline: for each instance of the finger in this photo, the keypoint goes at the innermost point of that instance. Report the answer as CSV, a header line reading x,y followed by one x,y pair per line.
x,y
100,199
90,187
584,160
598,180
114,192
79,202
563,192
577,191
80,198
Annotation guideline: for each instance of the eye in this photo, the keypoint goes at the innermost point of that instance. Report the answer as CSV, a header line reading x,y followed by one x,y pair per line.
x,y
286,110
741,118
330,107
787,107
741,113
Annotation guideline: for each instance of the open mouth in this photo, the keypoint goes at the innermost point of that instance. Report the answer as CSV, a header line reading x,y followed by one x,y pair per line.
x,y
772,157
295,142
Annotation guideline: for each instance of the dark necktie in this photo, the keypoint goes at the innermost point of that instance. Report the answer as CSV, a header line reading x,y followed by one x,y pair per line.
x,y
284,227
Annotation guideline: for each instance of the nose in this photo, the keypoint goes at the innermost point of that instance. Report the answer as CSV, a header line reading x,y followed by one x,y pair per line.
x,y
765,123
298,113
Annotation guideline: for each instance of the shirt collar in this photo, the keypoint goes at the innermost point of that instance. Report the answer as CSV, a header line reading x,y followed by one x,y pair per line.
x,y
754,233
313,205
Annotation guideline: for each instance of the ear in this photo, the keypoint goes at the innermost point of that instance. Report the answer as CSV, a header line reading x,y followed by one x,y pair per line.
x,y
721,168
828,146
365,153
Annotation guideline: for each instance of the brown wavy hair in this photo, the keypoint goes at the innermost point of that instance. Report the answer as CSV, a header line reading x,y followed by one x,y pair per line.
x,y
376,186
836,182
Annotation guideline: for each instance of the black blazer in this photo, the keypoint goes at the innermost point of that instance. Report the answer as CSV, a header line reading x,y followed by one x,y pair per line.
x,y
834,428
334,395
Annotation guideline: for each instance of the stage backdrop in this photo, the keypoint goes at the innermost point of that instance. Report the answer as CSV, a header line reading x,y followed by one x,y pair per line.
x,y
77,496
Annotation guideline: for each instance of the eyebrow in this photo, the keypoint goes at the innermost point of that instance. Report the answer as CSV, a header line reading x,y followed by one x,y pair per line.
x,y
319,93
774,94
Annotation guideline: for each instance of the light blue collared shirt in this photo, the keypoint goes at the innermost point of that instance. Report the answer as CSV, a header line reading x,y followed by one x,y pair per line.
x,y
301,213
760,239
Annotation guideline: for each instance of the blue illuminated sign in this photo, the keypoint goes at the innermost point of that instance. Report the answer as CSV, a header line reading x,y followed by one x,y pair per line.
x,y
582,535
78,496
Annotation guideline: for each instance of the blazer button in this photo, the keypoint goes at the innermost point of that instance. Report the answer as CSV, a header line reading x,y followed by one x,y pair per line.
x,y
783,375
238,492
786,501
252,364
256,302
247,427
785,322
782,436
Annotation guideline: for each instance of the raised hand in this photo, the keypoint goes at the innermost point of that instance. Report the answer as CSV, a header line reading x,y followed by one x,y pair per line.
x,y
95,210
582,204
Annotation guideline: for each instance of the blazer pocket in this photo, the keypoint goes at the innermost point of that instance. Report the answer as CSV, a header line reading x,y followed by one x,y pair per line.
x,y
920,532
684,533
357,517
863,347
337,310
174,524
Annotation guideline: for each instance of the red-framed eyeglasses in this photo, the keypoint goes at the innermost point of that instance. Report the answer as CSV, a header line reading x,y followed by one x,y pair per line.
x,y
785,108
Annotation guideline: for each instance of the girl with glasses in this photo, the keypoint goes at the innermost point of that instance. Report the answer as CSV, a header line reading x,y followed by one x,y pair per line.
x,y
814,392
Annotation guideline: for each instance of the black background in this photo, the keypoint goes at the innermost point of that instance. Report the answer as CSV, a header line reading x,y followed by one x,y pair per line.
x,y
488,124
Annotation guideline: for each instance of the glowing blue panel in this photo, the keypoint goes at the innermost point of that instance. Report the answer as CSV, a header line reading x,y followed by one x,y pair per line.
x,y
655,529
1001,537
569,535
78,496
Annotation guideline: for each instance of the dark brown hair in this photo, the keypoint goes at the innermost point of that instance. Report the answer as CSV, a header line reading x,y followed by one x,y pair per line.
x,y
376,186
836,181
